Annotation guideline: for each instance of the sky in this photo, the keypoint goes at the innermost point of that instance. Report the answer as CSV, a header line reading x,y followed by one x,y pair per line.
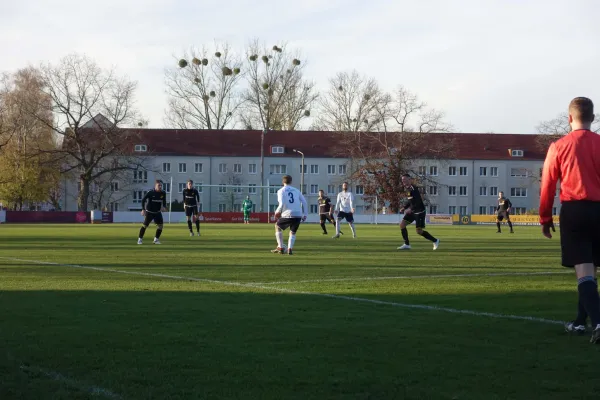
x,y
491,65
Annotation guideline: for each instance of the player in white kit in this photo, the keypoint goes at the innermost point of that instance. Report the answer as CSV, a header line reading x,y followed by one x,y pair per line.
x,y
292,210
344,207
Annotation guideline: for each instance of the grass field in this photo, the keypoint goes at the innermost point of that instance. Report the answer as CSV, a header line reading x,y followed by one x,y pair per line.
x,y
86,313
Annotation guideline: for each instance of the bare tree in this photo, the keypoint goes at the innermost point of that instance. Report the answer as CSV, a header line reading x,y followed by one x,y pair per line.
x,y
204,90
277,97
405,130
553,129
91,108
351,104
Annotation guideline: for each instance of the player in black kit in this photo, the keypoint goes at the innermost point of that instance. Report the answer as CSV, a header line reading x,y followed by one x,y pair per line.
x,y
504,206
153,204
191,199
325,211
414,210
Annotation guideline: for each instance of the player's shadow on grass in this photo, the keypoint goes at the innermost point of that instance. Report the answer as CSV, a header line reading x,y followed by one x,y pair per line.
x,y
156,343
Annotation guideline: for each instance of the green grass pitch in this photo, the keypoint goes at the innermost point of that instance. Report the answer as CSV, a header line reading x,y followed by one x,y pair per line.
x,y
87,313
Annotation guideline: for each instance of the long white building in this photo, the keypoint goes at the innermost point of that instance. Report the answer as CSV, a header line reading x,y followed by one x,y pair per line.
x,y
468,182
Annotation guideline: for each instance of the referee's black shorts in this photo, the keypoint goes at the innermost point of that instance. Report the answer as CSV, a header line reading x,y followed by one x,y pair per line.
x,y
580,233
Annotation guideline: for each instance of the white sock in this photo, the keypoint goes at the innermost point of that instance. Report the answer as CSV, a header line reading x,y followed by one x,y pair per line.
x,y
279,236
352,228
291,241
337,227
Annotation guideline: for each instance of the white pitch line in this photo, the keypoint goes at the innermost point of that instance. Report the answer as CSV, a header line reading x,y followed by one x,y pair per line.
x,y
91,390
383,278
291,291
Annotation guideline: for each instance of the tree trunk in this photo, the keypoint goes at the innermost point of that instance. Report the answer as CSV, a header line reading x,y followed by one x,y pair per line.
x,y
84,193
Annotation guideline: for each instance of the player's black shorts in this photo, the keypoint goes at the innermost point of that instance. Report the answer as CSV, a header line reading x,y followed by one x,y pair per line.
x,y
292,223
418,218
156,217
189,211
580,233
349,216
326,217
503,215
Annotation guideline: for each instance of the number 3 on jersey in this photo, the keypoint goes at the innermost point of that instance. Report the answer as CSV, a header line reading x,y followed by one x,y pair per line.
x,y
291,196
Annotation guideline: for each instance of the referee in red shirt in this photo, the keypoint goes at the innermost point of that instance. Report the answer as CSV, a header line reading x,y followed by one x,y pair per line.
x,y
575,161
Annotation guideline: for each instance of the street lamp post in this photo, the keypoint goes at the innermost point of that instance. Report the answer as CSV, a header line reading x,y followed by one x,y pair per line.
x,y
262,168
302,171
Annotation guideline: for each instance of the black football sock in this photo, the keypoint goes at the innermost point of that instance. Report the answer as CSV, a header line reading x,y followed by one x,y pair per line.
x,y
428,236
498,225
510,225
588,293
190,226
158,233
581,313
323,227
197,226
142,232
405,236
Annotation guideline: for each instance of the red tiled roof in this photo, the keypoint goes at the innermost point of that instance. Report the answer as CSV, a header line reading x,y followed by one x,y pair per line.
x,y
244,143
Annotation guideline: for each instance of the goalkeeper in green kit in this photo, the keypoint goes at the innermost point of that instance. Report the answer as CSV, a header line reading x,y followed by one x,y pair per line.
x,y
247,209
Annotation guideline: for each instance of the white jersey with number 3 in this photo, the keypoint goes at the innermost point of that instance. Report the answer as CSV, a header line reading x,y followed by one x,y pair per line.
x,y
292,203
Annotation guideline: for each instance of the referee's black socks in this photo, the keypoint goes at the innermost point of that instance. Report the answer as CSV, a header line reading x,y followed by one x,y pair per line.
x,y
190,226
405,236
588,295
428,236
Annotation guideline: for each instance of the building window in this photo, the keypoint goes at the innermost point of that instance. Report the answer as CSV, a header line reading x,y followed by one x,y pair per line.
x,y
222,188
304,188
433,170
422,170
277,149
237,188
331,170
200,207
279,169
463,171
520,210
517,153
483,191
314,169
482,171
237,168
182,168
518,192
451,190
114,186
198,187
198,168
462,190
493,191
341,170
138,195
492,210
433,190
141,147
462,210
452,210
113,206
482,210
252,168
359,189
330,189
222,207
166,167
273,189
314,189
140,176
518,172
452,171
432,209
167,187
303,168
252,188
180,187
493,171
314,208
237,207
554,211
222,168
